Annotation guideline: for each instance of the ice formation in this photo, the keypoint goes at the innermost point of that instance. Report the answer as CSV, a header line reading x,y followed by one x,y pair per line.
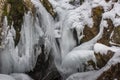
x,y
58,38
15,76
76,61
6,77
22,58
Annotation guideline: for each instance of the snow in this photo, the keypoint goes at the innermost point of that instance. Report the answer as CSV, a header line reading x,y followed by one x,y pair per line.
x,y
76,18
15,76
21,76
57,34
82,76
103,49
76,60
112,14
93,75
6,77
100,48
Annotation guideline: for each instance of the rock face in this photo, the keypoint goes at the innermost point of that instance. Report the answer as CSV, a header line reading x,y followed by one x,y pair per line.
x,y
102,59
92,32
14,10
111,74
116,36
107,33
2,4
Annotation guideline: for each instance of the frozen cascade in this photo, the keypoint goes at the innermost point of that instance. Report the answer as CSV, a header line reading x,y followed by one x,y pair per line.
x,y
21,57
56,35
34,34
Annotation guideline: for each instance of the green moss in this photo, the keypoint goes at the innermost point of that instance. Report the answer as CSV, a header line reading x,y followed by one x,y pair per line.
x,y
15,15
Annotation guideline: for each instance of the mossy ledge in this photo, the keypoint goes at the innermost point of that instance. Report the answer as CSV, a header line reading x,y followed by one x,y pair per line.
x,y
14,10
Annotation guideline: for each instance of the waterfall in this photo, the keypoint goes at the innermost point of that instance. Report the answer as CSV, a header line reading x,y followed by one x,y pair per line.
x,y
35,29
57,35
40,30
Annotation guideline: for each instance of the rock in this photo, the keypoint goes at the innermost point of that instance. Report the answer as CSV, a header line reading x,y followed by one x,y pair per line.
x,y
102,59
2,4
116,36
107,33
14,10
111,74
92,32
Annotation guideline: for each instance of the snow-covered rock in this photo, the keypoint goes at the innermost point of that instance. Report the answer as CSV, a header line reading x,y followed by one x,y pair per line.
x,y
77,61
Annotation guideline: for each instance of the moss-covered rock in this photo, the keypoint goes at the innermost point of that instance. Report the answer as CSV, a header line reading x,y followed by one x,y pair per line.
x,y
15,10
2,5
